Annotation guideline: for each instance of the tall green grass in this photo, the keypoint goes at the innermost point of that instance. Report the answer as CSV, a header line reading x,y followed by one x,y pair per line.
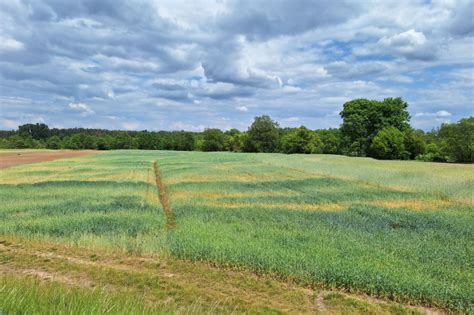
x,y
106,199
390,238
394,229
31,296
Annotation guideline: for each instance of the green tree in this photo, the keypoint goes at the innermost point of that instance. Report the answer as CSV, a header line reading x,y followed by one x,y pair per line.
x,y
363,119
104,142
145,140
5,144
73,142
213,140
388,144
123,140
21,142
36,131
263,135
415,143
54,143
184,141
301,140
234,140
457,140
331,140
432,154
88,142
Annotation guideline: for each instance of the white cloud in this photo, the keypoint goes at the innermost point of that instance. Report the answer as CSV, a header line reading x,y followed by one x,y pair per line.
x,y
406,41
187,126
10,44
83,108
242,108
438,114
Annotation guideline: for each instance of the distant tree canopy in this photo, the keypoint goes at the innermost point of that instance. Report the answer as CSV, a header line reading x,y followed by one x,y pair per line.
x,y
457,140
36,131
301,140
378,129
213,140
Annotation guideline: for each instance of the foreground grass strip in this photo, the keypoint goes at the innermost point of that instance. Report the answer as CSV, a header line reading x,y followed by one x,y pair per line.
x,y
96,280
164,199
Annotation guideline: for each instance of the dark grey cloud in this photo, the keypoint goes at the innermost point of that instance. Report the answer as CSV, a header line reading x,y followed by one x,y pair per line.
x,y
348,70
262,20
462,19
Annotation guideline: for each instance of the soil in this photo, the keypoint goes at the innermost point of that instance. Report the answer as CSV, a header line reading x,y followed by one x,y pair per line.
x,y
9,159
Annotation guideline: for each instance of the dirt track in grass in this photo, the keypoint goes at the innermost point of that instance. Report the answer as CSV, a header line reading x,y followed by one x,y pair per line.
x,y
164,198
9,159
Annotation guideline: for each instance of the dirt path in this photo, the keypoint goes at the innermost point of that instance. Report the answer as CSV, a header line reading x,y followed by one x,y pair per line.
x,y
164,198
9,159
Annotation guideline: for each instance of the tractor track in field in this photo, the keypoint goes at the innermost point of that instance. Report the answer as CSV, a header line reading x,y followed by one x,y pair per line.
x,y
164,198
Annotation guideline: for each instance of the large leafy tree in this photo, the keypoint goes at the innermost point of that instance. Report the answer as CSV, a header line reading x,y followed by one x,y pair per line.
x,y
363,119
263,135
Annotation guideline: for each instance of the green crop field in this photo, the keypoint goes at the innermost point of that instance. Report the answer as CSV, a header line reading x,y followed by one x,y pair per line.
x,y
236,233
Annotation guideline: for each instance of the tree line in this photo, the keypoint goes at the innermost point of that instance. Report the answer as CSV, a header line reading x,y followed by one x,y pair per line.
x,y
370,128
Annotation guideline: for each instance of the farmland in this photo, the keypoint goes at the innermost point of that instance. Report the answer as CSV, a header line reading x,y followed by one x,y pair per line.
x,y
302,233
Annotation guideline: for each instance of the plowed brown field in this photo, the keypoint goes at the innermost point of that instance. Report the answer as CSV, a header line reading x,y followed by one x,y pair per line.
x,y
8,159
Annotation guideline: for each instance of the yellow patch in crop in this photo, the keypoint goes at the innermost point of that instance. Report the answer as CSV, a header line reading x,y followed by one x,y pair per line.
x,y
151,196
329,207
240,177
415,204
396,188
187,194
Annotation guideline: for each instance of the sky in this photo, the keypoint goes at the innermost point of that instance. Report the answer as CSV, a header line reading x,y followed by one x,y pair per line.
x,y
190,65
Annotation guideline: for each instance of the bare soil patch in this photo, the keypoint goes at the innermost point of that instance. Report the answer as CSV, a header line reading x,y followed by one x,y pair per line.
x,y
9,159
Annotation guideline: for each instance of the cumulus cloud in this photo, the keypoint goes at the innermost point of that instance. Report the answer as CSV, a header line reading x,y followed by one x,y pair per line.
x,y
411,44
154,62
